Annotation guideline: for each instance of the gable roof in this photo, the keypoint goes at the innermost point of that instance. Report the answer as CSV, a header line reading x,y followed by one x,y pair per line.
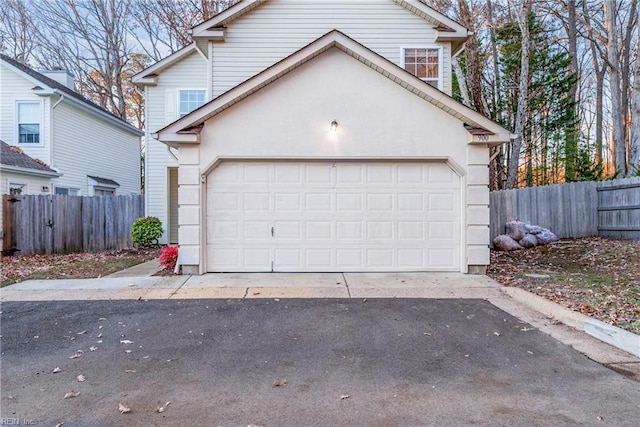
x,y
187,128
446,28
58,88
15,159
149,75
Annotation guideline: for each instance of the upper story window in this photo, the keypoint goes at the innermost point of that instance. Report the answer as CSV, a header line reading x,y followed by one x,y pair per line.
x,y
189,100
424,63
29,122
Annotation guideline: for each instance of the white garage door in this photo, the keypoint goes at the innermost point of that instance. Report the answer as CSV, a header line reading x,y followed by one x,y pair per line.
x,y
326,216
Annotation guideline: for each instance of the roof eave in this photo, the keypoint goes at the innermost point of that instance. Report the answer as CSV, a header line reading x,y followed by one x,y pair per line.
x,y
29,171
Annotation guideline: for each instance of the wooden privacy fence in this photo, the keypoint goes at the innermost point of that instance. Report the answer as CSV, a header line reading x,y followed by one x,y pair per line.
x,y
55,224
579,209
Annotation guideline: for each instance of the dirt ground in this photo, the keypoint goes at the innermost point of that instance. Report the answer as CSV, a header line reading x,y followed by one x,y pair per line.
x,y
19,268
594,276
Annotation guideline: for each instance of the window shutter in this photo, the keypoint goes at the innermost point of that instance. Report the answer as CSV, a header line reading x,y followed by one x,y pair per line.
x,y
170,106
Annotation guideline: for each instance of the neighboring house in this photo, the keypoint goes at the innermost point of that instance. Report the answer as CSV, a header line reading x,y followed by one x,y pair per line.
x,y
21,174
319,136
91,151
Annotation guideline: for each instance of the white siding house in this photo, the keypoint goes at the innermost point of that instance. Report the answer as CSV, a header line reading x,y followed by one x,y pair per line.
x,y
329,142
92,151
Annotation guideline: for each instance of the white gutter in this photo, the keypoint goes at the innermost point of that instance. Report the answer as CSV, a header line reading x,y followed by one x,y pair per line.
x,y
29,171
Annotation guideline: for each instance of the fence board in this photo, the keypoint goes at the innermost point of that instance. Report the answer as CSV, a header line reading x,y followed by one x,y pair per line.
x,y
65,224
580,209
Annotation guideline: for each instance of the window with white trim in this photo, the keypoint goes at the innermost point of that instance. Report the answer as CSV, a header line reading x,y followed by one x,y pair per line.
x,y
424,63
28,114
103,191
189,100
17,188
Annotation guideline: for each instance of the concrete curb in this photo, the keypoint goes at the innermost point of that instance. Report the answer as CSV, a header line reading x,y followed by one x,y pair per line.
x,y
612,335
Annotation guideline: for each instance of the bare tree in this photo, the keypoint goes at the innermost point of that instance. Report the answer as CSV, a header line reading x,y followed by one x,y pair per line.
x,y
523,92
17,37
162,26
634,142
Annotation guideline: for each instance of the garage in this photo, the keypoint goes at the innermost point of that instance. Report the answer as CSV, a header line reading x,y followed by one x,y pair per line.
x,y
332,216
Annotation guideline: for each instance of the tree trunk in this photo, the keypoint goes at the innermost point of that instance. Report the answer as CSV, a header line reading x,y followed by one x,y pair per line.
x,y
474,73
462,81
571,141
617,109
496,167
523,95
634,140
625,75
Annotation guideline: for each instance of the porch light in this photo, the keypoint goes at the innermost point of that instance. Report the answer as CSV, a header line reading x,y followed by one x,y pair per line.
x,y
334,126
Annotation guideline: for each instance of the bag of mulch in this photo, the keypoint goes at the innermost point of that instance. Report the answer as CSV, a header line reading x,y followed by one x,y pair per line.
x,y
506,243
528,241
515,230
532,229
545,237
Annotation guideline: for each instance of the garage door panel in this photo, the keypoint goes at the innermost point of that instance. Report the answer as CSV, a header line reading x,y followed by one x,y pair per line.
x,y
379,230
380,174
318,259
380,202
349,202
333,216
291,202
318,203
318,174
349,258
318,230
257,230
411,202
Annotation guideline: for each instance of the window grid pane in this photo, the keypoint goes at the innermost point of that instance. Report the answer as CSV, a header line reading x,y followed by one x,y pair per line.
x,y
29,122
423,63
190,100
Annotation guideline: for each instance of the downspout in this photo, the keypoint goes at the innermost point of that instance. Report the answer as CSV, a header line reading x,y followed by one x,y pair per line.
x,y
51,132
146,152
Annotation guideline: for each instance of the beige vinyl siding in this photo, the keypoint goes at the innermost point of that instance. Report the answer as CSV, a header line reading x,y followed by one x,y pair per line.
x,y
87,145
279,28
13,88
161,109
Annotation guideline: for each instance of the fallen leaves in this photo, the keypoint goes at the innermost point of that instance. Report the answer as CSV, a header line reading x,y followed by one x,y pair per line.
x,y
56,370
279,383
71,394
70,266
162,408
344,397
124,409
597,277
81,378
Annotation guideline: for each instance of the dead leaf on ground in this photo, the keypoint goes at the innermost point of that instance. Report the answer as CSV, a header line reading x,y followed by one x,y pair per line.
x,y
344,397
126,342
162,408
124,409
71,394
56,370
279,383
81,378
81,332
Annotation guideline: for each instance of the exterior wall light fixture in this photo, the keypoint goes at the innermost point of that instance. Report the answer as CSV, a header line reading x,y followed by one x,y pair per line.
x,y
334,126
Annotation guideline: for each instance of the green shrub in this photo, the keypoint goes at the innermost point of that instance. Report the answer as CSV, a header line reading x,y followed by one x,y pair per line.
x,y
146,232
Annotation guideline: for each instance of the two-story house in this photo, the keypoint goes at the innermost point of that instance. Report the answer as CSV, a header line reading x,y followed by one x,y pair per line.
x,y
87,150
298,135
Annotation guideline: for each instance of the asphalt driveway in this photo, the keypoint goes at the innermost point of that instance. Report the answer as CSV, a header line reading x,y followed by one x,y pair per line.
x,y
297,362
